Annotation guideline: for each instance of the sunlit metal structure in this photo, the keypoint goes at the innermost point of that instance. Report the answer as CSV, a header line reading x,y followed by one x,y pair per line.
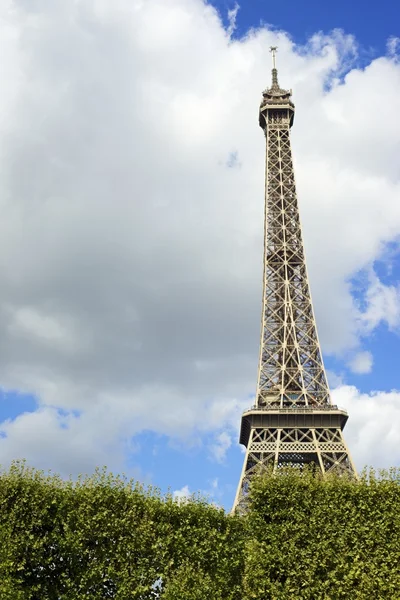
x,y
293,421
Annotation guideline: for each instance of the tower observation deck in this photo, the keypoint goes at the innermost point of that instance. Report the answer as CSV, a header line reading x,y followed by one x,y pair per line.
x,y
293,421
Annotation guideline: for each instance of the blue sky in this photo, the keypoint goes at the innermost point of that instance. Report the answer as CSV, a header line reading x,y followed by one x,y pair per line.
x,y
131,241
370,23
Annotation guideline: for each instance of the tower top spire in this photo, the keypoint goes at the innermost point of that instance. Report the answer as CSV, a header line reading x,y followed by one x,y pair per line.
x,y
275,84
273,50
275,90
275,98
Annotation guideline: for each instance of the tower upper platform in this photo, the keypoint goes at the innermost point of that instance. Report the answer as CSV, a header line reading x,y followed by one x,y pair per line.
x,y
275,98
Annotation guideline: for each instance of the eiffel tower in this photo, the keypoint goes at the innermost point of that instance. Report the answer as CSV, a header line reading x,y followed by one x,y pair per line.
x,y
293,421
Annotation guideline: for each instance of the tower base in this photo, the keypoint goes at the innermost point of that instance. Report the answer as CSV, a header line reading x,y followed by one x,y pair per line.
x,y
276,438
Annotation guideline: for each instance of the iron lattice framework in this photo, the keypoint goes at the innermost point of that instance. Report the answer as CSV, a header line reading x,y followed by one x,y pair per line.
x,y
293,421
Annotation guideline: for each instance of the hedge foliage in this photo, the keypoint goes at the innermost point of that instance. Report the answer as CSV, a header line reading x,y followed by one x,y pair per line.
x,y
333,538
104,537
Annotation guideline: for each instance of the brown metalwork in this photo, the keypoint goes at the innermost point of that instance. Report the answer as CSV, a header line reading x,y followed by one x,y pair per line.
x,y
293,421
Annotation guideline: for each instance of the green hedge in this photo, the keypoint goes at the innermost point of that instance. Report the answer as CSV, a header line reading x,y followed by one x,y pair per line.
x,y
324,539
104,537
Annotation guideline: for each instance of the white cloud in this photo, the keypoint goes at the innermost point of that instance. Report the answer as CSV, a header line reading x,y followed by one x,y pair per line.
x,y
43,328
182,495
232,16
130,253
393,45
64,441
334,379
373,430
213,493
382,305
214,484
361,362
221,445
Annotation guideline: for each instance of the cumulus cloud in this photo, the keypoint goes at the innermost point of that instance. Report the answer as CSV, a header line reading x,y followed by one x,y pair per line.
x,y
372,433
232,16
393,45
382,305
213,493
131,245
221,445
182,495
361,363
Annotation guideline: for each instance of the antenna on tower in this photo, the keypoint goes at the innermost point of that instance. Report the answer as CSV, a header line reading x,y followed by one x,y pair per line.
x,y
275,84
273,50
